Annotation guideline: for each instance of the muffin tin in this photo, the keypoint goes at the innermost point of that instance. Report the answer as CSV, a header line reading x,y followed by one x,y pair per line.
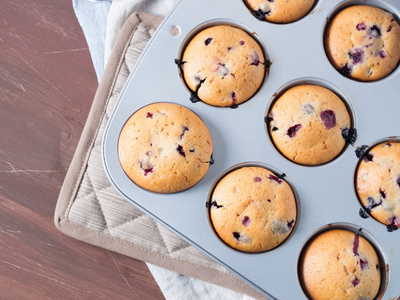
x,y
325,193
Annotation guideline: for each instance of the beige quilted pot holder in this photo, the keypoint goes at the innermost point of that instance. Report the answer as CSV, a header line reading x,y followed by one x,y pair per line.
x,y
90,210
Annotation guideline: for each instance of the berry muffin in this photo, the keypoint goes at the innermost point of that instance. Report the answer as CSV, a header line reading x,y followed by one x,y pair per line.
x,y
223,66
378,183
279,11
252,209
339,264
165,148
363,42
309,124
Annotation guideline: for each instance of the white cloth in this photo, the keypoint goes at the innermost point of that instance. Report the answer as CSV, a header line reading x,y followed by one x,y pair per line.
x,y
101,23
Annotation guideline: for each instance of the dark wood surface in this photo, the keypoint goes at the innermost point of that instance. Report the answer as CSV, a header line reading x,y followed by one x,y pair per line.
x,y
47,84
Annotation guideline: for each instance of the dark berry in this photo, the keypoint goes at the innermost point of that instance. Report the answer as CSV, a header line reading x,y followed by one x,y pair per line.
x,y
193,98
192,150
149,115
377,266
361,150
357,55
350,135
329,118
208,41
147,169
260,14
383,194
255,59
389,29
234,100
215,204
211,162
355,244
382,54
355,281
368,156
241,43
363,214
290,224
391,228
229,49
246,221
271,0
257,179
389,144
184,129
180,63
275,128
308,109
375,31
398,181
268,119
293,130
236,235
372,203
361,26
273,177
393,221
363,264
345,70
180,151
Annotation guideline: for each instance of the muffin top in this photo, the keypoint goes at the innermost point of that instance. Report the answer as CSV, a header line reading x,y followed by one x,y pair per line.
x,y
252,209
307,124
223,66
363,42
279,11
339,264
378,183
165,148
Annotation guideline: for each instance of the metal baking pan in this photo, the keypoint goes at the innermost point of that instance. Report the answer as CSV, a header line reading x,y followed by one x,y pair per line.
x,y
325,193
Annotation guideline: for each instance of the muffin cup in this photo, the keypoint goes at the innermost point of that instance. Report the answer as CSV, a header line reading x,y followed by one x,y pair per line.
x,y
279,176
362,151
352,133
382,256
212,23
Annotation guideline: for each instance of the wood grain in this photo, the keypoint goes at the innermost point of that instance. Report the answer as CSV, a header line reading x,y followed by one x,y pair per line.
x,y
47,84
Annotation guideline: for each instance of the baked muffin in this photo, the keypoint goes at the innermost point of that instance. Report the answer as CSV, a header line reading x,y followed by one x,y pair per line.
x,y
223,66
339,264
378,183
308,124
165,148
279,11
363,42
252,209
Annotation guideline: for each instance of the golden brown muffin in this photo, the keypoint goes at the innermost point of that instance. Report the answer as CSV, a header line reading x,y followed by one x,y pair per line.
x,y
363,42
378,183
165,148
306,124
279,11
223,66
253,210
339,264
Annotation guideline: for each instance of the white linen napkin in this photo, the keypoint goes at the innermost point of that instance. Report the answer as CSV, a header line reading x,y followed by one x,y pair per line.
x,y
101,22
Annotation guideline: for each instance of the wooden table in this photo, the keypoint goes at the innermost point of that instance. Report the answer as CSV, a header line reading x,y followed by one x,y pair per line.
x,y
47,84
